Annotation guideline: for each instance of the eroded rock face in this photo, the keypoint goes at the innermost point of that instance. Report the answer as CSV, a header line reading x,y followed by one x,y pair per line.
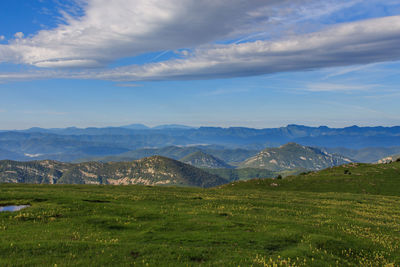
x,y
389,159
148,171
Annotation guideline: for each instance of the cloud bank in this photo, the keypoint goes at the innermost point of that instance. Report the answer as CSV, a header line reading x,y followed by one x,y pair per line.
x,y
110,30
362,42
114,29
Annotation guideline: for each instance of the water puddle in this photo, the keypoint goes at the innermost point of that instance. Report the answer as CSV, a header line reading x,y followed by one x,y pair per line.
x,y
13,208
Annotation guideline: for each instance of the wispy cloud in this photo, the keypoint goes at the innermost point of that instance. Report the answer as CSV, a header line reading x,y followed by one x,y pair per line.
x,y
362,42
128,85
130,28
347,70
45,112
332,87
94,33
226,91
113,29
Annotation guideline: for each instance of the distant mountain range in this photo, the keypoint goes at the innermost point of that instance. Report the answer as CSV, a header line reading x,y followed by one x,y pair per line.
x,y
228,155
159,127
154,170
71,144
367,155
293,156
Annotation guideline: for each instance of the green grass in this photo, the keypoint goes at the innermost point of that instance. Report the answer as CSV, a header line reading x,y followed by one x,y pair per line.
x,y
241,174
310,220
358,178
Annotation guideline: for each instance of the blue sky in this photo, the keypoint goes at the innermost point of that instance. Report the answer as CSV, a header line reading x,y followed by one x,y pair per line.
x,y
223,63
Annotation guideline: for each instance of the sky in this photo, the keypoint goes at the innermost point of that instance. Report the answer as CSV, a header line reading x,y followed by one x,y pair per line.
x,y
250,63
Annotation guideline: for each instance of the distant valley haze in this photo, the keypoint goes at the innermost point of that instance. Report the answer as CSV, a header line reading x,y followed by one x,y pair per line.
x,y
255,64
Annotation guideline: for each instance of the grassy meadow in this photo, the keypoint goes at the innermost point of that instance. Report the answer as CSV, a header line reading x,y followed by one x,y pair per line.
x,y
331,218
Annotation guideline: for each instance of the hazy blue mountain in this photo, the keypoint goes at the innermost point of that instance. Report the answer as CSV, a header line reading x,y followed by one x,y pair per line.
x,y
136,126
203,160
6,154
367,155
173,126
73,143
230,156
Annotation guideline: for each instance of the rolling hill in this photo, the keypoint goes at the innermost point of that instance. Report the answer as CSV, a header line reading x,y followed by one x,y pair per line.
x,y
293,156
242,174
154,170
341,216
355,178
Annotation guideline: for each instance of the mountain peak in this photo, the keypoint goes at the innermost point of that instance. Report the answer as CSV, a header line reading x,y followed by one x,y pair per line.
x,y
173,126
293,156
291,144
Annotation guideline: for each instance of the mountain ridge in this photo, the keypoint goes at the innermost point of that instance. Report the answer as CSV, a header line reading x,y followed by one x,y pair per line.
x,y
69,144
293,156
154,170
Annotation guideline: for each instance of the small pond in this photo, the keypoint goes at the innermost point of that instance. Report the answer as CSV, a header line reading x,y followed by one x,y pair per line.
x,y
13,208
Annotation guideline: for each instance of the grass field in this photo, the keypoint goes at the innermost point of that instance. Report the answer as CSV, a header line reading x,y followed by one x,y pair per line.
x,y
333,218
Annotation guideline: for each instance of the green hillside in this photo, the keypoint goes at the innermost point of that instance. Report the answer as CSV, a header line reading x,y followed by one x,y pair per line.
x,y
154,170
242,174
342,216
293,156
358,178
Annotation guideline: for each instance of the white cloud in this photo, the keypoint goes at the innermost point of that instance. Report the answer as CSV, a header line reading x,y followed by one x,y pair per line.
x,y
109,30
330,87
2,37
19,35
362,42
113,29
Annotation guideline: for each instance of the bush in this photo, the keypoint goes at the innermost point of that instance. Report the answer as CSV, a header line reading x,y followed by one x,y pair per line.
x,y
279,177
347,172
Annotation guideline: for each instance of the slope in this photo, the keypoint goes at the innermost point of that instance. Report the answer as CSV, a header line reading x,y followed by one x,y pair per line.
x,y
148,171
293,156
359,178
